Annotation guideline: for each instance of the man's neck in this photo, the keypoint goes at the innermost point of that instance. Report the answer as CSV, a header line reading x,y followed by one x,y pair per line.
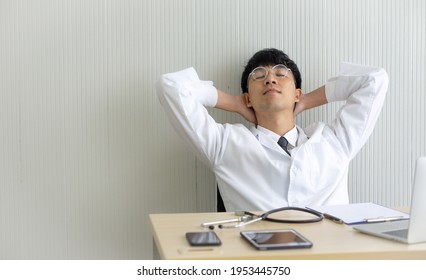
x,y
280,124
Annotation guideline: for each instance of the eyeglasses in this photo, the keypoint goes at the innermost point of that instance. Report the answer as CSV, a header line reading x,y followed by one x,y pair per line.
x,y
260,73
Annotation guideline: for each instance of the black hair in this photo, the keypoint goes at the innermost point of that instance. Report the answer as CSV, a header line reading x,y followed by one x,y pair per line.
x,y
270,57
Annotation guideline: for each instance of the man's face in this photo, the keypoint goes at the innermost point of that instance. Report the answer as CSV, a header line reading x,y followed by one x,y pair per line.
x,y
271,89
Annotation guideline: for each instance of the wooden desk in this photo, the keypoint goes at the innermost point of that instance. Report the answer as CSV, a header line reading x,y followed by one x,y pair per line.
x,y
331,240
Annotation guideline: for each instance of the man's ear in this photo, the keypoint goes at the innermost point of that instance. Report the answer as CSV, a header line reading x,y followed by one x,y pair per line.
x,y
247,99
298,94
296,101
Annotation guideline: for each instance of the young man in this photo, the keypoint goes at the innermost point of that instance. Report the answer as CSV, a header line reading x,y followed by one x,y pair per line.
x,y
256,168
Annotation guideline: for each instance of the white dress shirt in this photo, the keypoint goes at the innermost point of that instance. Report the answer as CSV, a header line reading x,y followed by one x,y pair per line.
x,y
253,172
291,136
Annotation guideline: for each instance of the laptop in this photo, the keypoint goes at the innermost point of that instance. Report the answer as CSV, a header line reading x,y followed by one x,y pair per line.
x,y
406,231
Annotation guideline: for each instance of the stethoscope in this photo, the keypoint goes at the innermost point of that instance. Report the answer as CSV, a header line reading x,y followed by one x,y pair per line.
x,y
245,218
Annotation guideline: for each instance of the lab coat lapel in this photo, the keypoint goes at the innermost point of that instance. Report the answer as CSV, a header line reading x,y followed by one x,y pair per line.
x,y
266,141
312,132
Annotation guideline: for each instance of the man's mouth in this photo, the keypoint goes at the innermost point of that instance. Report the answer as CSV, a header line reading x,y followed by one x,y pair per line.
x,y
271,90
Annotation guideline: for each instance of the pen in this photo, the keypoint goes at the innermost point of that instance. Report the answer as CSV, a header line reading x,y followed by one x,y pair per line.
x,y
383,219
332,218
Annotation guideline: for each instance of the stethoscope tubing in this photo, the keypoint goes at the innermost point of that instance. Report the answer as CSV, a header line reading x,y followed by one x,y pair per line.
x,y
249,218
265,216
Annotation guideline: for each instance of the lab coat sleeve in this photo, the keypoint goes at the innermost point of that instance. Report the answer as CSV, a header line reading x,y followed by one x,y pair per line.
x,y
185,99
364,90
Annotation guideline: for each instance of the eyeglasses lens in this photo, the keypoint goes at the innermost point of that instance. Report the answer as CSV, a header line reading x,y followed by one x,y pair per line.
x,y
260,73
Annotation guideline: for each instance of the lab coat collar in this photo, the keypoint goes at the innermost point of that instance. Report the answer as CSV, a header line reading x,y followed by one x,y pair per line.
x,y
265,140
313,132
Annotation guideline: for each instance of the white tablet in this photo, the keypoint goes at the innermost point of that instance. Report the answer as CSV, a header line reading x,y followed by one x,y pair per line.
x,y
276,239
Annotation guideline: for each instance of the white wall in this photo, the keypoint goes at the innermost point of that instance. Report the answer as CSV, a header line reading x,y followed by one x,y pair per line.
x,y
85,150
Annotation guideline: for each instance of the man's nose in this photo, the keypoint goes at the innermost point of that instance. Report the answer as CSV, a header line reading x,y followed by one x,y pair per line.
x,y
270,79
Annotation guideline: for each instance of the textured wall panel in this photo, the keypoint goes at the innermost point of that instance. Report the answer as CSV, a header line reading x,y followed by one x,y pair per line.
x,y
86,152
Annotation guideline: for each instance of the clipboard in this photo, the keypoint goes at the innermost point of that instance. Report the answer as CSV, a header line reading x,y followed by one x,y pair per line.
x,y
359,213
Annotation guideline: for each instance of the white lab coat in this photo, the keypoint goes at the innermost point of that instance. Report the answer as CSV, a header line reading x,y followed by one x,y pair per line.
x,y
252,171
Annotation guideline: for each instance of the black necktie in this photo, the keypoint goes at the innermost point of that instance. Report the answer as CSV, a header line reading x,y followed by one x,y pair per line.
x,y
283,144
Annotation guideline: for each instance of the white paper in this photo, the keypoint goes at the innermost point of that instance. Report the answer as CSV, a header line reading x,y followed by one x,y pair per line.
x,y
359,212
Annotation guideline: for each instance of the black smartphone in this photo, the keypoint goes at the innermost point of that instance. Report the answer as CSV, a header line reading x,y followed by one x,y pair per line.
x,y
276,239
205,238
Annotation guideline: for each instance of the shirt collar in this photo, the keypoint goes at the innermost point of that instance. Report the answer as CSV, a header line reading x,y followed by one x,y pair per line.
x,y
291,135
